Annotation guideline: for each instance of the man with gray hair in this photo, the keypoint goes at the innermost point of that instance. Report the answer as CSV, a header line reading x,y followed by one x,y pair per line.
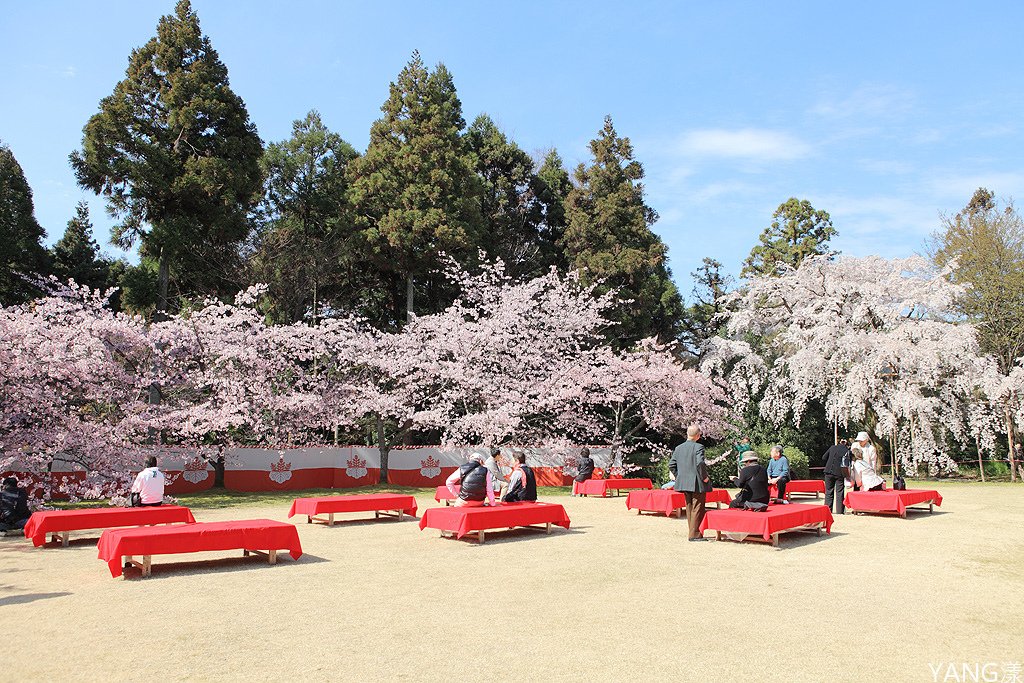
x,y
691,473
778,473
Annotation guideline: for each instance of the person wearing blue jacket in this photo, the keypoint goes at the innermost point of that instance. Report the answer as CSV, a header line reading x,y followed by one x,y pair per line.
x,y
778,473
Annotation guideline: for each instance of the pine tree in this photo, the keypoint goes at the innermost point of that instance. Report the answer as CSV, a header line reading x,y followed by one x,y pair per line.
x,y
21,248
552,186
76,255
303,251
608,237
798,230
175,154
415,192
511,210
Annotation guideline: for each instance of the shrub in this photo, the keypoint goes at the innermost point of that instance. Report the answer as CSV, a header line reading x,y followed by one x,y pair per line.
x,y
723,469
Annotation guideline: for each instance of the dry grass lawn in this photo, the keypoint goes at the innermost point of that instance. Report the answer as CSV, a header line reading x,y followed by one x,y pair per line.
x,y
616,597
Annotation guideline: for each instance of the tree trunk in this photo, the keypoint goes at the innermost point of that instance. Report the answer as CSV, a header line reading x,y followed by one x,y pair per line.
x,y
981,465
1010,442
162,285
408,298
384,447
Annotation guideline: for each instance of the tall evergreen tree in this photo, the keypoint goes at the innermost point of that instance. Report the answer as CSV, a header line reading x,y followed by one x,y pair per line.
x,y
798,230
552,188
175,154
608,237
21,248
303,251
511,210
700,321
76,255
415,192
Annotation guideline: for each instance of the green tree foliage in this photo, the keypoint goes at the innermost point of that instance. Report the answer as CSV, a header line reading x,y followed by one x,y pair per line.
x,y
175,154
512,212
553,187
415,191
304,251
798,230
608,237
987,241
699,322
21,247
76,255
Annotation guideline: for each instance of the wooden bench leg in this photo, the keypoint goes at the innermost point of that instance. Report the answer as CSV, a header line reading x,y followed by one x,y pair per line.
x,y
480,534
272,557
930,507
147,565
401,515
245,553
775,539
330,519
718,535
309,519
64,538
549,528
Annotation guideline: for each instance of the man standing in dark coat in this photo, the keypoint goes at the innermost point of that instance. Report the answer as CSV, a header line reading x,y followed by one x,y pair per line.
x,y
691,472
837,472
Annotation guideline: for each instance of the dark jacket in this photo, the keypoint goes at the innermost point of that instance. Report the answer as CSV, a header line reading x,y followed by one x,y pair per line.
x,y
837,458
753,482
523,491
586,469
474,481
13,505
688,467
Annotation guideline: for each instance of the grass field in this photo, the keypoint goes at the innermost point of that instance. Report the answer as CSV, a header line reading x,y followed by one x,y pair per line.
x,y
617,596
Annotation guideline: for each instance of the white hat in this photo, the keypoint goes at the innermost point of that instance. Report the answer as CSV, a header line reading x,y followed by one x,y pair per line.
x,y
862,436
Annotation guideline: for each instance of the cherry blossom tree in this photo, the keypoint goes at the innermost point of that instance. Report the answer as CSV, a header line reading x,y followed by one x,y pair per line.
x,y
873,339
73,385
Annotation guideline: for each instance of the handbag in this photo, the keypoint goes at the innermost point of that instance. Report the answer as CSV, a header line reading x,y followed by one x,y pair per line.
x,y
134,499
898,484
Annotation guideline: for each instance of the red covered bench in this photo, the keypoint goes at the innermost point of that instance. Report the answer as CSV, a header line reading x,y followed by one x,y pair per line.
x,y
891,501
459,521
60,522
768,525
402,504
670,502
601,487
815,486
259,536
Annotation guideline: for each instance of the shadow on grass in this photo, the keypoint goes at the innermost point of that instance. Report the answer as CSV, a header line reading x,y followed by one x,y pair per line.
x,y
237,563
29,597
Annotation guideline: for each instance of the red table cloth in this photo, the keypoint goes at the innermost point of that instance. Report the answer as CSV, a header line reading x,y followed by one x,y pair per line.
x,y
603,486
248,534
800,486
776,519
465,520
442,493
55,521
889,500
668,501
364,502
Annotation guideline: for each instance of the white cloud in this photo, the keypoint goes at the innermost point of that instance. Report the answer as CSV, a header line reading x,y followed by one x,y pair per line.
x,y
867,101
755,144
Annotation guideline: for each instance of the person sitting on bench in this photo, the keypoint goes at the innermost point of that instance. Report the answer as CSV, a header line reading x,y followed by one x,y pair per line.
x,y
522,485
864,474
149,484
753,484
14,512
778,473
474,482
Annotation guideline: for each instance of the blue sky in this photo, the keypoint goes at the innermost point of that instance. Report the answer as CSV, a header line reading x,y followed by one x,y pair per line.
x,y
886,115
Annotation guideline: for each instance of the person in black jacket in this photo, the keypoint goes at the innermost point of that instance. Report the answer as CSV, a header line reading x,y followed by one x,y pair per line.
x,y
837,472
753,484
14,512
584,466
474,483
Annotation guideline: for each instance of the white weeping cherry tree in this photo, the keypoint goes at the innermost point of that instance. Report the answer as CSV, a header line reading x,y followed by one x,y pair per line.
x,y
873,339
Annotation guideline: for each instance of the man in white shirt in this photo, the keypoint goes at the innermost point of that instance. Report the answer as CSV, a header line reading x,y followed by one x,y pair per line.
x,y
491,463
149,484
